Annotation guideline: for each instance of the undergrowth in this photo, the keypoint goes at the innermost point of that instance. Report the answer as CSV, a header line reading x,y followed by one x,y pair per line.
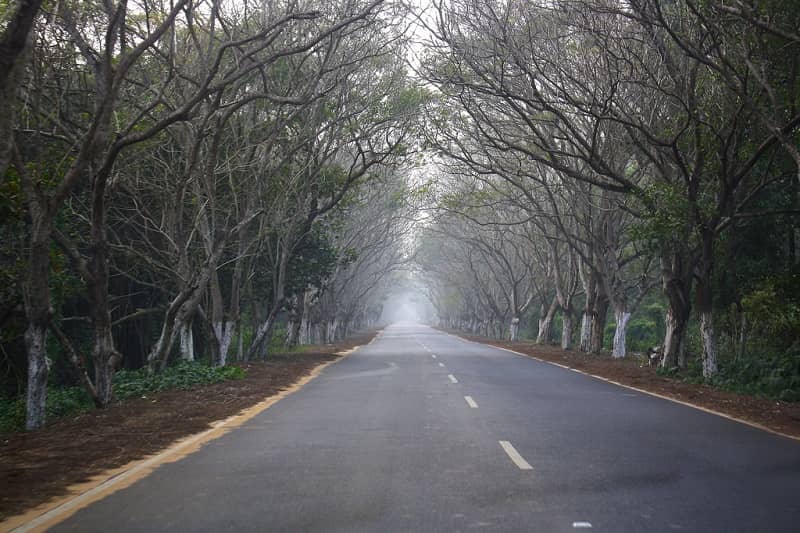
x,y
135,383
60,402
127,384
769,375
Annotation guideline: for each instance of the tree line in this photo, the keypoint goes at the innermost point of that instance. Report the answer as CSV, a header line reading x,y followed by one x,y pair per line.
x,y
196,168
591,151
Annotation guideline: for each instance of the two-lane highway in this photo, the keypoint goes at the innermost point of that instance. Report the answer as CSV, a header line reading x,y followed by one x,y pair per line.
x,y
423,431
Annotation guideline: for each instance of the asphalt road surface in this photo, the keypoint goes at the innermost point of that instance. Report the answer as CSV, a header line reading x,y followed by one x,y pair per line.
x,y
423,431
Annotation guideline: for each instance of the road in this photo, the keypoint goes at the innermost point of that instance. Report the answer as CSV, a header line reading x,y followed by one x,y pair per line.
x,y
423,431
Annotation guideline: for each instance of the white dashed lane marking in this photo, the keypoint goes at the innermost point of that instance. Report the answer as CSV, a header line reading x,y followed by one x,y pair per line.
x,y
514,455
471,402
582,525
452,378
441,365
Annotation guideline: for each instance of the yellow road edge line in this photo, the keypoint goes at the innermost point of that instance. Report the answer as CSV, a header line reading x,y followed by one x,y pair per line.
x,y
655,394
50,513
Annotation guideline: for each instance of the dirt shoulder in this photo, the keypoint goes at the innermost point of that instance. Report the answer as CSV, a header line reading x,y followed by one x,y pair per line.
x,y
781,417
40,466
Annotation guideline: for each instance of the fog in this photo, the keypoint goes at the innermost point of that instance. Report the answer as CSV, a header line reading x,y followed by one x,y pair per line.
x,y
409,305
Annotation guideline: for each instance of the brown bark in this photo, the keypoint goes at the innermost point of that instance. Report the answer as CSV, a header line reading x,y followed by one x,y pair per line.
x,y
38,367
14,44
600,315
704,297
676,280
296,315
104,354
36,294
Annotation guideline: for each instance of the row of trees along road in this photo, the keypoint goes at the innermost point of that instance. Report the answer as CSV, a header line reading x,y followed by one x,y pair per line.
x,y
195,167
592,150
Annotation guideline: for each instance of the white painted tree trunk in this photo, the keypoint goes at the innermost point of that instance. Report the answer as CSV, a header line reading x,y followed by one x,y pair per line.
x,y
224,332
187,342
622,317
514,329
545,327
304,337
566,331
673,349
709,337
333,327
38,368
263,335
586,332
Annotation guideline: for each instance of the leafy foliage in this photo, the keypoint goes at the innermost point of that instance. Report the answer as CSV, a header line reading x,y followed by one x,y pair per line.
x,y
774,306
770,375
135,383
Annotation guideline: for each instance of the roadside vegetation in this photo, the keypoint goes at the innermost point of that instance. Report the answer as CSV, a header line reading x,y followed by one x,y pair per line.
x,y
195,180
212,182
621,178
71,401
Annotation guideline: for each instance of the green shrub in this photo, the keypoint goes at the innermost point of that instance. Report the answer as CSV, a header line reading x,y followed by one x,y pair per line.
x,y
136,383
60,402
769,375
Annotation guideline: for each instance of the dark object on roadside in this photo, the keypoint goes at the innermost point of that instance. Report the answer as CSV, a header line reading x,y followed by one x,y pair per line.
x,y
653,355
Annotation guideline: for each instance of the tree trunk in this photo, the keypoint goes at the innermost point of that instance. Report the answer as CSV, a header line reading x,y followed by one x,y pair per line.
x,y
240,342
105,356
14,51
600,313
296,317
180,313
166,339
224,334
674,349
546,323
38,368
566,330
705,305
259,344
222,324
586,331
709,338
676,282
590,289
621,316
38,313
187,341
305,331
330,333
103,379
514,329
